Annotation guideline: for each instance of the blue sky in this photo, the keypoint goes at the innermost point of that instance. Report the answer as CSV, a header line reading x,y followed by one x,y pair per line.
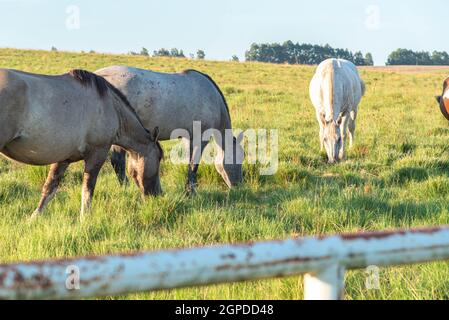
x,y
223,28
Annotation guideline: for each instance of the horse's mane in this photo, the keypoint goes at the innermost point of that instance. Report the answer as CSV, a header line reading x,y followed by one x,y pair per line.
x,y
215,85
102,86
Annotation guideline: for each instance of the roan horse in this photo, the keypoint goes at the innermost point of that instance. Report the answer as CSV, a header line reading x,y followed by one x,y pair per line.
x,y
175,101
77,116
336,90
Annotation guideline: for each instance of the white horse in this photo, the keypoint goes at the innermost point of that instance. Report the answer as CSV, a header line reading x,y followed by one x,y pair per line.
x,y
336,91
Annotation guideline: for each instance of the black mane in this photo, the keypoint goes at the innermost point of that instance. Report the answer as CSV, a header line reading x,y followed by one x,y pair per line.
x,y
102,86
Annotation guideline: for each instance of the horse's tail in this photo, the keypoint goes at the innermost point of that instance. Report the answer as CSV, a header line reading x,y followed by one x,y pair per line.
x,y
329,86
227,123
363,85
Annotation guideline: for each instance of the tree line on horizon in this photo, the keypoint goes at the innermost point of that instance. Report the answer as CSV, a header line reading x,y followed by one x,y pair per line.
x,y
309,54
173,53
297,53
422,58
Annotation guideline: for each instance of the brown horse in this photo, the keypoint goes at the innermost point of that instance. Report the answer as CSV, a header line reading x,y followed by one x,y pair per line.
x,y
58,120
443,100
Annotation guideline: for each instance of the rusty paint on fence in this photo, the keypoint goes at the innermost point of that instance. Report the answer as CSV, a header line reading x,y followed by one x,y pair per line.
x,y
135,272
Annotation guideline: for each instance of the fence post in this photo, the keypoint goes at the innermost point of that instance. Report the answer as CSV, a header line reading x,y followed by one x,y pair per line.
x,y
326,284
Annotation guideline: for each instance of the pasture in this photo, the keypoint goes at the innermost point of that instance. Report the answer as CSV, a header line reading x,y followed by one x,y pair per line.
x,y
396,176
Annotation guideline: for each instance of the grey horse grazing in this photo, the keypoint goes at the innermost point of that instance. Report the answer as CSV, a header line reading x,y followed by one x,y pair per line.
x,y
58,120
175,101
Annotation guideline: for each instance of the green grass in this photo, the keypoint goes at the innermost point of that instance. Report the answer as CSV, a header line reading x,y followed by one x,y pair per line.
x,y
397,176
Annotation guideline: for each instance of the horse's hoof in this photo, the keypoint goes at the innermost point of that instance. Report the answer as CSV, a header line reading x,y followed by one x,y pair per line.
x,y
191,191
124,183
84,216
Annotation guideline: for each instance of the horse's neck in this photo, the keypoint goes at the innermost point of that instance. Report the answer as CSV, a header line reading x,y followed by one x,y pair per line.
x,y
132,135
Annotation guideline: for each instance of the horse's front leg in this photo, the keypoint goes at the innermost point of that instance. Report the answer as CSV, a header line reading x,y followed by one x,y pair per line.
x,y
54,177
118,161
92,167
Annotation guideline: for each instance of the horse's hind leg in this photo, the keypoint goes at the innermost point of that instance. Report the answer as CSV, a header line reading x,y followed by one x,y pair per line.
x,y
351,128
92,167
54,177
343,130
118,161
195,159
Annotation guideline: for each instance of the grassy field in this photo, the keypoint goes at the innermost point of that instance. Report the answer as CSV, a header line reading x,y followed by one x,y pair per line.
x,y
396,176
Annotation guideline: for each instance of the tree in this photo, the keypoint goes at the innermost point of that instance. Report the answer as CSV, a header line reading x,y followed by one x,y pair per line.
x,y
161,53
359,60
177,53
54,49
200,55
402,57
144,52
252,53
440,58
369,61
235,58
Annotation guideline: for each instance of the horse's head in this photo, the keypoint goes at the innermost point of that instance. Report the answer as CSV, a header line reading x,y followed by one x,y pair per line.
x,y
332,138
144,168
230,165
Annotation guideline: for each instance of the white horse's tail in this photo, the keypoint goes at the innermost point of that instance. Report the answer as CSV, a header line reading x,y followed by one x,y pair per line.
x,y
328,88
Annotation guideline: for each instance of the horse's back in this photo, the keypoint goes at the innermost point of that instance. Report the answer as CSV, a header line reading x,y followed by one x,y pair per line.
x,y
336,87
169,100
348,85
59,109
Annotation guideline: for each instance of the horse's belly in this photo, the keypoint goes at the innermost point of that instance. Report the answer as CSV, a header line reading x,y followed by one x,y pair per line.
x,y
172,123
35,153
171,114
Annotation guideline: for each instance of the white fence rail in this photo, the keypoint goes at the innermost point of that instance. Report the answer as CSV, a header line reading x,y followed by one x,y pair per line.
x,y
323,260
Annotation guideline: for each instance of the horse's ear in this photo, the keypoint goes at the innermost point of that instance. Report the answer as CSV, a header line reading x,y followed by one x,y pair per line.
x,y
438,99
156,134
